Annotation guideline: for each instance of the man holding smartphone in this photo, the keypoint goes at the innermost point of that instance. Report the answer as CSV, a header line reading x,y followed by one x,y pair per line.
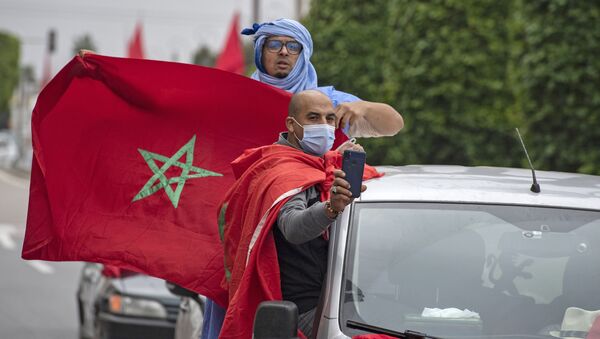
x,y
310,127
303,222
285,244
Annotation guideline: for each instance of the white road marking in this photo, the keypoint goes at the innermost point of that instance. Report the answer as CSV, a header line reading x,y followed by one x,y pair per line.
x,y
41,266
6,233
14,180
6,241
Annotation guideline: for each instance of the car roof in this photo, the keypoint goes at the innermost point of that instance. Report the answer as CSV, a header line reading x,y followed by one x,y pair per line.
x,y
488,185
142,285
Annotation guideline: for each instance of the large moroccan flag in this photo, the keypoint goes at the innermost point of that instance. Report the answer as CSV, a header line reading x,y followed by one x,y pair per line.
x,y
131,159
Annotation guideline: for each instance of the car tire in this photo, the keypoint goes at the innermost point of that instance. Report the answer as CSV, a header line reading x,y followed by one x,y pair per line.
x,y
83,336
99,332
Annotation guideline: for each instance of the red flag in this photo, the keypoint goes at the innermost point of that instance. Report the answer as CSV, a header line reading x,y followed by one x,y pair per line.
x,y
131,159
135,48
231,57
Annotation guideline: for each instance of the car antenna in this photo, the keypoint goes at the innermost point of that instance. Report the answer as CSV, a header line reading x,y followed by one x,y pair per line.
x,y
535,187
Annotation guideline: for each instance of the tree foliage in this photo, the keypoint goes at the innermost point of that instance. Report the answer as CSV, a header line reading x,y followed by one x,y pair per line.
x,y
465,73
84,42
248,48
204,57
9,73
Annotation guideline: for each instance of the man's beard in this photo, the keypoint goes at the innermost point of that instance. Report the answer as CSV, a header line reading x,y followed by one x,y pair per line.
x,y
281,75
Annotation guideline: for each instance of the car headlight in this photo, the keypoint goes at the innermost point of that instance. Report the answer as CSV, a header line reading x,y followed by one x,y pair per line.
x,y
136,306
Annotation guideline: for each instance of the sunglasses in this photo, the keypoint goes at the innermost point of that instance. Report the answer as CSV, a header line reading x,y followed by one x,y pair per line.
x,y
275,46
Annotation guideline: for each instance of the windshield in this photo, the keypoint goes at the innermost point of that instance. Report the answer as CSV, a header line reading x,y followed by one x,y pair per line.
x,y
464,270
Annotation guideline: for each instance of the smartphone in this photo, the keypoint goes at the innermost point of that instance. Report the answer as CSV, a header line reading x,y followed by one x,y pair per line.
x,y
353,164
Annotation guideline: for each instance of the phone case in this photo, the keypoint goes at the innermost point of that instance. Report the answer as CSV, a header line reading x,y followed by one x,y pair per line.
x,y
353,164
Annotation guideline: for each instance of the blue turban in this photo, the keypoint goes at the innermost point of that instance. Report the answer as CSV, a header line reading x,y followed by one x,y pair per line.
x,y
303,76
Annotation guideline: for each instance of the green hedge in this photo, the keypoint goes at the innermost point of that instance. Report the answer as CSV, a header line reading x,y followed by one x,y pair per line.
x,y
559,82
464,74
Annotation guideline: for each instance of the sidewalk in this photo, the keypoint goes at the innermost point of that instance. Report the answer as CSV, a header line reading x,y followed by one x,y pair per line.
x,y
16,172
21,168
19,171
15,177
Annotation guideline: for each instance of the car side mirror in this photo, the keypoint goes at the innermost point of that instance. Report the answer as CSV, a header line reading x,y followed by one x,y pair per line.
x,y
180,291
276,320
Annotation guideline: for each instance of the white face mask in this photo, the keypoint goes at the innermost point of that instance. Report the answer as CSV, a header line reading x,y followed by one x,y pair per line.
x,y
318,139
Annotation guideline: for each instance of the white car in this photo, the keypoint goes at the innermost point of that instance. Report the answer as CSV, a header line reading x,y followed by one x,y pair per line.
x,y
465,252
8,149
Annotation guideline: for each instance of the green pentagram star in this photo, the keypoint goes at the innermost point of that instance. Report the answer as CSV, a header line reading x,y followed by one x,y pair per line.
x,y
159,180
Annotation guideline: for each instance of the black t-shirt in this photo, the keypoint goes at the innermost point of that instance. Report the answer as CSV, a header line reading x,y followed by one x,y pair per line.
x,y
302,268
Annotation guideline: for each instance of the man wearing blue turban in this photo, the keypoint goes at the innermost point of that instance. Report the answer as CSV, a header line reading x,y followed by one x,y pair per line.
x,y
282,51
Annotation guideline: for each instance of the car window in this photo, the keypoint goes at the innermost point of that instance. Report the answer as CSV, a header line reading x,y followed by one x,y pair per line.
x,y
469,270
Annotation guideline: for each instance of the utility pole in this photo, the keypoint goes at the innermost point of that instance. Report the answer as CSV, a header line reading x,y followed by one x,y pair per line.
x,y
298,10
256,10
47,68
51,41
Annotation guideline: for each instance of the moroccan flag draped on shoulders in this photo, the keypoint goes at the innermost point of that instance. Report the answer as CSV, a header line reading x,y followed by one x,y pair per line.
x,y
131,159
268,177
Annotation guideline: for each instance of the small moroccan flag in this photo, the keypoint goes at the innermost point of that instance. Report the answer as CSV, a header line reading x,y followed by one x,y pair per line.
x,y
231,57
135,46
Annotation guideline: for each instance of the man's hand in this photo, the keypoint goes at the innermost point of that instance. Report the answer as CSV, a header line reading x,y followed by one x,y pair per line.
x,y
350,112
350,146
370,119
83,52
340,193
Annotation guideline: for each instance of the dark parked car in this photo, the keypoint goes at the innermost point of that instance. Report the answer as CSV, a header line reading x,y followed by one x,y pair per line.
x,y
125,305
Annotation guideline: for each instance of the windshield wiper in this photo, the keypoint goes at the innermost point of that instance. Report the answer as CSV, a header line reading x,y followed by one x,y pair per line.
x,y
408,334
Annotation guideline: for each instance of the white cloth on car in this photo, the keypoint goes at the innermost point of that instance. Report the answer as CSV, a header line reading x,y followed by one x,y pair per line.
x,y
449,313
